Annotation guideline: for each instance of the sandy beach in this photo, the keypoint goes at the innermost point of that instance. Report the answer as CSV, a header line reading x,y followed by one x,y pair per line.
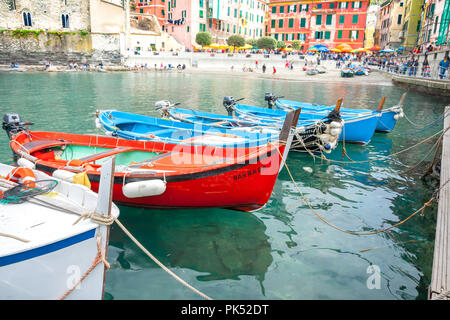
x,y
297,74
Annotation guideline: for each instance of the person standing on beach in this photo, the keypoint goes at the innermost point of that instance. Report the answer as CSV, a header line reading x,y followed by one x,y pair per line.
x,y
256,64
274,70
264,68
444,64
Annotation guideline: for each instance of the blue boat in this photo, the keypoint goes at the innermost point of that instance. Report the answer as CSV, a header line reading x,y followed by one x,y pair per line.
x,y
313,133
357,129
139,127
386,122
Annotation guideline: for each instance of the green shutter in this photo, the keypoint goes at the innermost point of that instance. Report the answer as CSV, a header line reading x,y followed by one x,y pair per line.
x,y
272,24
331,5
329,19
302,22
280,23
341,19
355,18
353,4
281,9
339,34
274,9
291,23
318,20
327,34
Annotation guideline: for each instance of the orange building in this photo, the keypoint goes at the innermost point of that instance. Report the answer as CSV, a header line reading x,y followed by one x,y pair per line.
x,y
154,7
318,22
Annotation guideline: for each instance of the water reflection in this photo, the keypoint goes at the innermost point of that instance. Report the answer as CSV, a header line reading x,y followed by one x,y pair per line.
x,y
223,244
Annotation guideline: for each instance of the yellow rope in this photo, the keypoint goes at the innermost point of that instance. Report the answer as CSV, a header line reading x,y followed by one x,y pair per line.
x,y
427,204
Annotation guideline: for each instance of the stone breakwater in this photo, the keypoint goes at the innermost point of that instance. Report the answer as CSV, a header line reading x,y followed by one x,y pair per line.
x,y
35,47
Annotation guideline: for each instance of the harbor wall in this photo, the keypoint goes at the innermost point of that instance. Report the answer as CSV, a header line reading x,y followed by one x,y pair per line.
x,y
35,47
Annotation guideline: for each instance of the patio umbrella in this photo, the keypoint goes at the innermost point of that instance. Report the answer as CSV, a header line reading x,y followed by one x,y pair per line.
x,y
320,46
387,51
375,48
313,49
213,46
323,49
335,50
344,47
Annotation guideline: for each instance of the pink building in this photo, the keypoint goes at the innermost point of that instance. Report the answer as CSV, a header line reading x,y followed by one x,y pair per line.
x,y
221,18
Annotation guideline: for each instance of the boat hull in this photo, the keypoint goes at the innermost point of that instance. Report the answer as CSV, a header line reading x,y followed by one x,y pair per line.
x,y
360,130
385,124
387,121
195,177
48,272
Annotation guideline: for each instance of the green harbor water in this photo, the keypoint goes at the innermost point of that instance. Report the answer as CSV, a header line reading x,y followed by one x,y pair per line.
x,y
282,251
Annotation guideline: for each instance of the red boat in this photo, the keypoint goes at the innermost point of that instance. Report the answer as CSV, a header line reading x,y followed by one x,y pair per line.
x,y
156,174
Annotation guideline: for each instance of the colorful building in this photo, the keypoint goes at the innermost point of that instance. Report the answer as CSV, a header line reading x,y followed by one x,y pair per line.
x,y
392,17
220,18
319,22
153,7
411,25
371,25
435,25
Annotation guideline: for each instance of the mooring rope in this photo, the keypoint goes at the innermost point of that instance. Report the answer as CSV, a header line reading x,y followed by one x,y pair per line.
x,y
100,257
420,210
390,155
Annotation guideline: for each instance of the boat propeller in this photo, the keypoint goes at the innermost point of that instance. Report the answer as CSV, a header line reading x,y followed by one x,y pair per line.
x,y
229,102
271,98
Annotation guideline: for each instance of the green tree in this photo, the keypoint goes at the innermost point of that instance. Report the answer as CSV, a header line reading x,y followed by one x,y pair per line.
x,y
296,44
203,38
267,43
236,41
252,42
281,45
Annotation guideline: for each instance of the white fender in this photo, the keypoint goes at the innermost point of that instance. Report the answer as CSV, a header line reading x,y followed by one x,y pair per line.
x,y
22,162
64,175
145,188
98,125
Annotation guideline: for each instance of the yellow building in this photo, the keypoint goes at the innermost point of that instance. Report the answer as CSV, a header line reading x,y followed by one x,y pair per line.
x,y
371,26
411,25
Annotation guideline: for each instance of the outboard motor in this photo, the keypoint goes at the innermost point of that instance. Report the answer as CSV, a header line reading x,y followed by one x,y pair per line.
x,y
228,103
270,98
13,125
163,106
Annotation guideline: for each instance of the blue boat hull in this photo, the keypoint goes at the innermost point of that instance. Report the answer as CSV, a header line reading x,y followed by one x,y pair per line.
x,y
311,135
138,127
386,122
360,131
357,129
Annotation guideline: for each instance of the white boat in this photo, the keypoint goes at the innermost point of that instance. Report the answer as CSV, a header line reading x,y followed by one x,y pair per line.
x,y
43,254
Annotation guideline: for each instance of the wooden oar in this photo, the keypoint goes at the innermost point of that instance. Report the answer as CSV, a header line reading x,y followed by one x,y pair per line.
x,y
380,106
338,105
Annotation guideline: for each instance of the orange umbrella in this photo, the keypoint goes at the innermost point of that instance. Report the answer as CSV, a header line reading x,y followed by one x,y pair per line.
x,y
344,47
375,48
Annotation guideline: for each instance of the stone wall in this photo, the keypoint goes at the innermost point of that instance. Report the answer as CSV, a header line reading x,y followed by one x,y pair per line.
x,y
34,47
